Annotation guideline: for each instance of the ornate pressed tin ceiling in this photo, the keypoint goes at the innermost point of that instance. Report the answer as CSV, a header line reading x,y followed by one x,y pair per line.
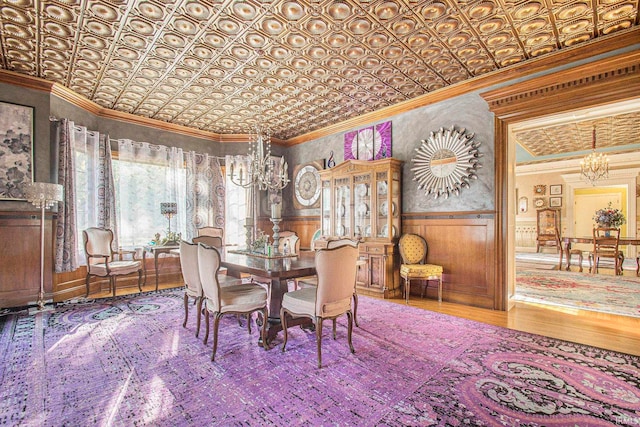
x,y
299,66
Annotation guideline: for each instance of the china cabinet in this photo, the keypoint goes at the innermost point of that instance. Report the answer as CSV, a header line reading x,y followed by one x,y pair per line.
x,y
362,200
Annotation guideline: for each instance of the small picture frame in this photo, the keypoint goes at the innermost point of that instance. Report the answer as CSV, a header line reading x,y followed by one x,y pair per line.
x,y
555,202
555,190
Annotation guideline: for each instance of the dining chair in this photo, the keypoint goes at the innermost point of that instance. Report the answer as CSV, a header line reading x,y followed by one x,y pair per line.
x,y
413,251
606,242
241,299
211,231
188,253
306,282
191,278
330,299
290,240
100,259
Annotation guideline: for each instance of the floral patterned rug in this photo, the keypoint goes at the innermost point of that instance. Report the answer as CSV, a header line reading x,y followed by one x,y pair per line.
x,y
608,294
129,362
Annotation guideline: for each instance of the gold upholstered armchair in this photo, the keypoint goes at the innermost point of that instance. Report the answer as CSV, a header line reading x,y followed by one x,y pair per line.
x,y
413,250
101,260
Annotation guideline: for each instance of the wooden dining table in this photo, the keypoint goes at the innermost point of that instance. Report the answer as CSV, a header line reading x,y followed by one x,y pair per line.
x,y
565,248
279,271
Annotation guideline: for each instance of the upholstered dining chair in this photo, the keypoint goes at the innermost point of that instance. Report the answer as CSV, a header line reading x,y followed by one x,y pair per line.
x,y
313,280
242,299
100,258
413,251
211,231
215,241
605,245
291,240
330,299
192,286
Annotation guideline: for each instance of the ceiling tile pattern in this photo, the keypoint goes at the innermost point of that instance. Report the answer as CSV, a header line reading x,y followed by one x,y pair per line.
x,y
615,131
297,66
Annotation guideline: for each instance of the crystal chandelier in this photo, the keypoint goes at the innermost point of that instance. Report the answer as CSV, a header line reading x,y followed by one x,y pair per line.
x,y
262,171
594,166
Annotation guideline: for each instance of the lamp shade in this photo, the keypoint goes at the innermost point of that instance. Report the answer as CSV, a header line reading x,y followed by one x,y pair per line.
x,y
43,193
168,208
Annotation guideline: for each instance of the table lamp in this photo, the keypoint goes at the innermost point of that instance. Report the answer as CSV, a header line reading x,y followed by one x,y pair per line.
x,y
42,195
169,209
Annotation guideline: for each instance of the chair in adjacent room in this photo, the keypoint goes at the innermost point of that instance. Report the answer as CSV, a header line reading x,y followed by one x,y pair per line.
x,y
330,299
413,250
100,258
241,299
605,246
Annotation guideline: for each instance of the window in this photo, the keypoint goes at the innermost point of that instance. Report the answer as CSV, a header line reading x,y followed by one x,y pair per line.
x,y
140,188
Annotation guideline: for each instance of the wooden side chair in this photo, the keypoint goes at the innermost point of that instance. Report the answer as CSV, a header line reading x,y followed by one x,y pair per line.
x,y
413,250
606,242
101,260
330,299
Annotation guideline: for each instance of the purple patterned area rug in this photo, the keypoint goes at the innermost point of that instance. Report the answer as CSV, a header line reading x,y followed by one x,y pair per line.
x,y
596,292
130,362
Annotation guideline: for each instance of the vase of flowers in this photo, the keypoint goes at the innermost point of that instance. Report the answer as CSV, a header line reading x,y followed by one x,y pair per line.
x,y
609,217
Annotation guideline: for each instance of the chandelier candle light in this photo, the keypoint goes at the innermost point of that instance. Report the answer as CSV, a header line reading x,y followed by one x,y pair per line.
x,y
260,172
594,166
42,195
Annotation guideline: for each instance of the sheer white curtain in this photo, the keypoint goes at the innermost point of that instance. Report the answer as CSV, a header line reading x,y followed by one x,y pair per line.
x,y
205,193
236,205
147,175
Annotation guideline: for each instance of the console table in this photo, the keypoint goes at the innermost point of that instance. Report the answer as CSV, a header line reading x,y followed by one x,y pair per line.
x,y
156,251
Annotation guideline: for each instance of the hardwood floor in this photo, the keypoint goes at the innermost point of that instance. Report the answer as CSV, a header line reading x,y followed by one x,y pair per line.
x,y
609,331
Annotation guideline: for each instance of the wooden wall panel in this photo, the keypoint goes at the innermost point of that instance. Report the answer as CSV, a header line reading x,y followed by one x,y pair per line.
x,y
465,247
20,258
304,228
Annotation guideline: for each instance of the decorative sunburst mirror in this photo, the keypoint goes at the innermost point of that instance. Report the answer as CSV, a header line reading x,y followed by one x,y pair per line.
x,y
446,162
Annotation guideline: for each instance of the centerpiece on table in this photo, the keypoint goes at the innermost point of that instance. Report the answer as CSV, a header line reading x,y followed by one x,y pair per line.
x,y
609,217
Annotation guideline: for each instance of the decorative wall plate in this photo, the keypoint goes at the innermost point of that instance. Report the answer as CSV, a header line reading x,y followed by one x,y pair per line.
x,y
307,185
540,190
446,162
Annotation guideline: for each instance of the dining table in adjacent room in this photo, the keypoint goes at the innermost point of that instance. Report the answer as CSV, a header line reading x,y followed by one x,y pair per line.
x,y
279,269
565,247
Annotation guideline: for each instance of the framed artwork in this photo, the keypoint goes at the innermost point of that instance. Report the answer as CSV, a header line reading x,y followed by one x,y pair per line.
x,y
351,145
16,149
369,143
539,190
382,141
555,190
555,202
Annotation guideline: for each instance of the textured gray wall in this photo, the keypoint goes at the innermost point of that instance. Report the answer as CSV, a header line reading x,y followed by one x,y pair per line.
x,y
469,111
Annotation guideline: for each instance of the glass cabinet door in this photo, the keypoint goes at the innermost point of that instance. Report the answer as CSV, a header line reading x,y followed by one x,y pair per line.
x,y
342,207
387,208
362,206
326,208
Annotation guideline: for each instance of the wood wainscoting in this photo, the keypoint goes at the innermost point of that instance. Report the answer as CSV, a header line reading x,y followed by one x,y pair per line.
x,y
464,245
304,227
